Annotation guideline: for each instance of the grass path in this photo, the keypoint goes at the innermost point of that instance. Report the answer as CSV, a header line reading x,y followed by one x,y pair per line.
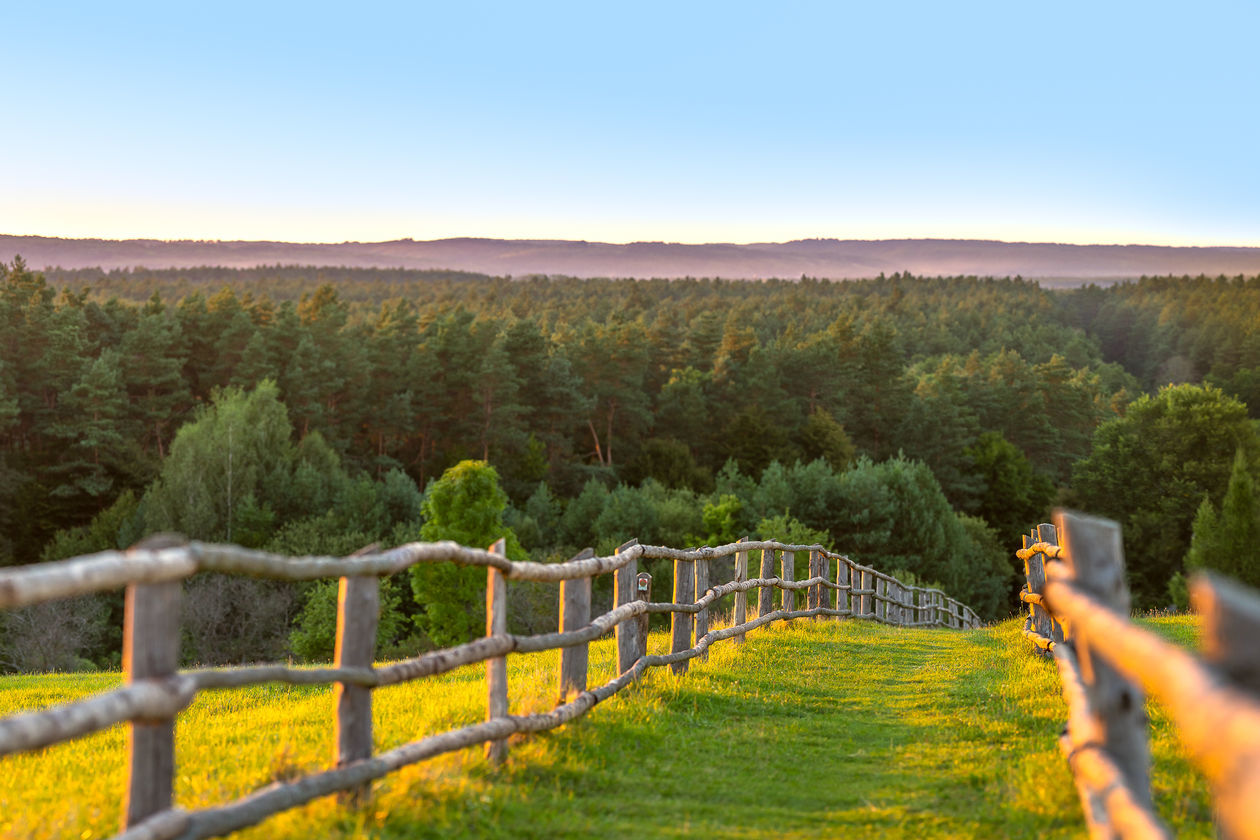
x,y
814,730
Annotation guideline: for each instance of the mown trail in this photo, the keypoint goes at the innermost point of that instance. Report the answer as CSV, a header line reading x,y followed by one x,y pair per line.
x,y
815,730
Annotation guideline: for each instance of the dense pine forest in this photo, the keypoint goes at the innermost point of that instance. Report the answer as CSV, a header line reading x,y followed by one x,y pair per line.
x,y
920,424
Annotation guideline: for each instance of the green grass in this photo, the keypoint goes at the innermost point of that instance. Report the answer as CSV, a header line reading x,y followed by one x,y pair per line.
x,y
817,729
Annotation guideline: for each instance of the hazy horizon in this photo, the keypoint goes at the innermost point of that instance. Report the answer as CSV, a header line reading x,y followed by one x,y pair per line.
x,y
708,123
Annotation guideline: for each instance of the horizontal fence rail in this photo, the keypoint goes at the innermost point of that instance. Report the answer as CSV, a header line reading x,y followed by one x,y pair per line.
x,y
1078,613
156,691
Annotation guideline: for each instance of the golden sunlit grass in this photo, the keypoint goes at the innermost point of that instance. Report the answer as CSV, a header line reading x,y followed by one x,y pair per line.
x,y
817,729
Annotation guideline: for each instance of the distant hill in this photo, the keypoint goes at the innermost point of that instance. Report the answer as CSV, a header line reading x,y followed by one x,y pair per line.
x,y
831,258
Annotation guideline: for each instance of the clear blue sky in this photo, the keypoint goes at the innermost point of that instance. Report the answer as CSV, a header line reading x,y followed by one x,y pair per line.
x,y
1078,122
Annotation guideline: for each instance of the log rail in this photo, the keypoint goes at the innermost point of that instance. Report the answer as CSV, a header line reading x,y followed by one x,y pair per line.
x,y
155,691
1079,614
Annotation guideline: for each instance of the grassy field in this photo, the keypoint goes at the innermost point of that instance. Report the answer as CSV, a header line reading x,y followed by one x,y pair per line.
x,y
813,730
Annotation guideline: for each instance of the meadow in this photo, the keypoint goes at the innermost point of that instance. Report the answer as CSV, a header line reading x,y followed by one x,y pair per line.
x,y
813,729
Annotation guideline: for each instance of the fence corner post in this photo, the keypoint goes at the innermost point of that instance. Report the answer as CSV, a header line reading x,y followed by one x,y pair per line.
x,y
575,613
151,651
627,632
741,598
496,667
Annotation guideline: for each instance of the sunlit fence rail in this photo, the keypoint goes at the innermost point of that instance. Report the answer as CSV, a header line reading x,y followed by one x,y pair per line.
x,y
1079,613
156,690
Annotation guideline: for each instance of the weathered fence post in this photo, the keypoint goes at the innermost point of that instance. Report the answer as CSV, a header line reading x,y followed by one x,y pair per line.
x,y
1229,628
811,592
680,622
644,592
358,610
844,600
1095,555
881,598
864,600
741,598
150,651
765,594
1035,571
575,613
1046,533
824,571
787,571
627,632
496,667
701,587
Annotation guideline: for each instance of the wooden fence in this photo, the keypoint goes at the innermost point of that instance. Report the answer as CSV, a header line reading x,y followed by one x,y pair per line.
x,y
1079,613
156,691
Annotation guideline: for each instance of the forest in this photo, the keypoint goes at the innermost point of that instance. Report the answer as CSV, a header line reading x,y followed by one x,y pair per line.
x,y
920,424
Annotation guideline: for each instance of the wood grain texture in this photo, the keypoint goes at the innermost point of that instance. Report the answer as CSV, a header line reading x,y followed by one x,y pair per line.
x,y
358,610
701,588
765,597
787,571
1095,560
496,668
151,651
681,622
741,596
575,613
628,642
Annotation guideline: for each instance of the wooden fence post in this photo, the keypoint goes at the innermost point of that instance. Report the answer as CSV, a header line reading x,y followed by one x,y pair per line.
x,y
787,571
496,668
864,600
844,600
741,598
1046,533
680,622
150,651
358,610
701,587
765,594
811,592
824,593
881,598
643,591
1035,568
1095,555
628,642
575,613
1229,628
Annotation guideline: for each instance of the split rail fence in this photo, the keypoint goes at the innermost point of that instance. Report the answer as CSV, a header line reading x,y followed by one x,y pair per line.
x,y
1078,605
156,690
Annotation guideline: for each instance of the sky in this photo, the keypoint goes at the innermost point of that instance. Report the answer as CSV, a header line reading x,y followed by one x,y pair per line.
x,y
685,122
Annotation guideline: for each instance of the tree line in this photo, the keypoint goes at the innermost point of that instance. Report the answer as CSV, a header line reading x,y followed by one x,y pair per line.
x,y
920,423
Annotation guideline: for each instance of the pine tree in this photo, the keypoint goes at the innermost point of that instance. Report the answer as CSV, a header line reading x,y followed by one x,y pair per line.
x,y
1228,542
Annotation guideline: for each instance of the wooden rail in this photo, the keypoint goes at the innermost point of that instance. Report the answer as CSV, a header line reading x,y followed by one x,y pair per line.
x,y
155,691
1079,614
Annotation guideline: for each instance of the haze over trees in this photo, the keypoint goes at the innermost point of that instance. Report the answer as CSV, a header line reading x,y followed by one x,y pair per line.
x,y
920,424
